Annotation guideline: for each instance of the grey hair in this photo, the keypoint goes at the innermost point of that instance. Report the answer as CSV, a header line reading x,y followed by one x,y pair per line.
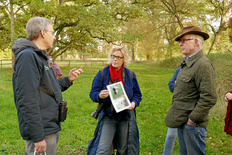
x,y
35,25
124,53
199,38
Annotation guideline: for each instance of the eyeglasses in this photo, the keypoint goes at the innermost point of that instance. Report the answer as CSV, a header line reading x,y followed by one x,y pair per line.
x,y
53,32
117,57
184,40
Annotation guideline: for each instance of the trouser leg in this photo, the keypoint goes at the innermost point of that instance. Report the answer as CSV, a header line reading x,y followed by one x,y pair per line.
x,y
107,135
51,142
182,145
193,138
170,141
122,137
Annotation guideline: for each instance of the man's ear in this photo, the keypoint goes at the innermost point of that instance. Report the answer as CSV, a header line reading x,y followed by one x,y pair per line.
x,y
42,32
196,41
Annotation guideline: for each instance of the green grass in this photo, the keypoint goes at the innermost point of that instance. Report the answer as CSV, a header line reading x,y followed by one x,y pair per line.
x,y
79,127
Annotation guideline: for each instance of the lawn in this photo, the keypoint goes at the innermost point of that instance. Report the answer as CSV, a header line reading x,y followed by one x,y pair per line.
x,y
79,127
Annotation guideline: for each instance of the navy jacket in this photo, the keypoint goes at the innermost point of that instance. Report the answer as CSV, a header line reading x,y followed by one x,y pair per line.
x,y
38,112
171,83
131,86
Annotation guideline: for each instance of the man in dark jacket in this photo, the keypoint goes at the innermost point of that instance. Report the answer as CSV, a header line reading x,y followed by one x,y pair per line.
x,y
38,112
194,94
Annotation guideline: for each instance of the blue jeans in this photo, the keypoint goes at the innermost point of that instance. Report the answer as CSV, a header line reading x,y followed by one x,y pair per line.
x,y
113,127
170,141
191,140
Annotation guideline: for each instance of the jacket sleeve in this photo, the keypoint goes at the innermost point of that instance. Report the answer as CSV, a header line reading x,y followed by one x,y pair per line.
x,y
137,95
27,82
171,83
96,87
206,84
64,83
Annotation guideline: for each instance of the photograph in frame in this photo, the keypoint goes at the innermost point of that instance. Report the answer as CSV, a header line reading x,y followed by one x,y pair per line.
x,y
118,97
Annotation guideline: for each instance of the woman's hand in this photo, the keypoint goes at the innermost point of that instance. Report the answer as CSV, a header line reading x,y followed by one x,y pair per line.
x,y
228,97
104,94
132,106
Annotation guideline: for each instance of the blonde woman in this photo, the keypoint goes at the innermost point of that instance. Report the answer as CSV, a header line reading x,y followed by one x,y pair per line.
x,y
118,127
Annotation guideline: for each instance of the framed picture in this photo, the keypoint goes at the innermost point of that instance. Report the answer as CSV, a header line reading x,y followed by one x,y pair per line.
x,y
118,97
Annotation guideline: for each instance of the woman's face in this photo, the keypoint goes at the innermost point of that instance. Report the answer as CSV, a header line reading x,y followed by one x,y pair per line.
x,y
117,59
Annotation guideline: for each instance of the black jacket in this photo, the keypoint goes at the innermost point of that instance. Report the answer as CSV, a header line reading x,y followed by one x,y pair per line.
x,y
37,111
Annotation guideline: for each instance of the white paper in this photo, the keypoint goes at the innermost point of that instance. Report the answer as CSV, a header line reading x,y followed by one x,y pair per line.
x,y
118,97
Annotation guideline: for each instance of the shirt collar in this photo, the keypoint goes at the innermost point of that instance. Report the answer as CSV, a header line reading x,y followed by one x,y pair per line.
x,y
194,57
186,59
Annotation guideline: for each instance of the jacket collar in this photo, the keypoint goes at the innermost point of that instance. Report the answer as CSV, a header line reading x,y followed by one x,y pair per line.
x,y
193,59
22,43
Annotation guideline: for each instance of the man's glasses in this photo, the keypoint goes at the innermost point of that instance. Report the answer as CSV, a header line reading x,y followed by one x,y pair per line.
x,y
117,57
53,32
184,40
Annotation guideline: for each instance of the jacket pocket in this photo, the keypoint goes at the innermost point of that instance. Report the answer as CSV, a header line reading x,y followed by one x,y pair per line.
x,y
178,114
185,78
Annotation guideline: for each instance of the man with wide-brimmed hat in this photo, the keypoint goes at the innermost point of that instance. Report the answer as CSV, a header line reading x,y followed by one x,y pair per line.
x,y
194,93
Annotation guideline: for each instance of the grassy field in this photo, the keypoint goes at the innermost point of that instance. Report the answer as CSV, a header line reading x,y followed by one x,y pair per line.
x,y
79,127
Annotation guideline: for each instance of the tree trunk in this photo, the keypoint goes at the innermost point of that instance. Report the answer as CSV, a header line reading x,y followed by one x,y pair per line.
x,y
62,2
215,42
132,52
218,35
12,23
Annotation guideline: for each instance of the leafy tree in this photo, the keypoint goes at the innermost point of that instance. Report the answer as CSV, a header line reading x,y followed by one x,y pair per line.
x,y
170,16
145,26
218,11
79,24
10,10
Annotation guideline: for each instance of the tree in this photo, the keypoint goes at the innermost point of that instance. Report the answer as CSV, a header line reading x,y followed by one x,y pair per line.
x,y
166,19
172,15
217,12
10,10
79,25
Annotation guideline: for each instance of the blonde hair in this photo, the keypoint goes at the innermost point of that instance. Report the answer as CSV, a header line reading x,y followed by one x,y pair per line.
x,y
124,53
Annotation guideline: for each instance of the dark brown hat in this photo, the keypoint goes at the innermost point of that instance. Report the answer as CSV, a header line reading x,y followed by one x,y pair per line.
x,y
192,30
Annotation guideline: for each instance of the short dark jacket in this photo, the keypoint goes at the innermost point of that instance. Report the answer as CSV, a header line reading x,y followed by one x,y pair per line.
x,y
37,111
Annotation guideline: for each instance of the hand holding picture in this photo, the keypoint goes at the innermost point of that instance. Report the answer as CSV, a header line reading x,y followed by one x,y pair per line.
x,y
132,107
104,94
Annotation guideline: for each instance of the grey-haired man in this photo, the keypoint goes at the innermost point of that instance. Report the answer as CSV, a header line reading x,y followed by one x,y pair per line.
x,y
194,93
38,112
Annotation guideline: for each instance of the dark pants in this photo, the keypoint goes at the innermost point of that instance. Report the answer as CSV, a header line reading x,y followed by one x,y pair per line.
x,y
113,127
